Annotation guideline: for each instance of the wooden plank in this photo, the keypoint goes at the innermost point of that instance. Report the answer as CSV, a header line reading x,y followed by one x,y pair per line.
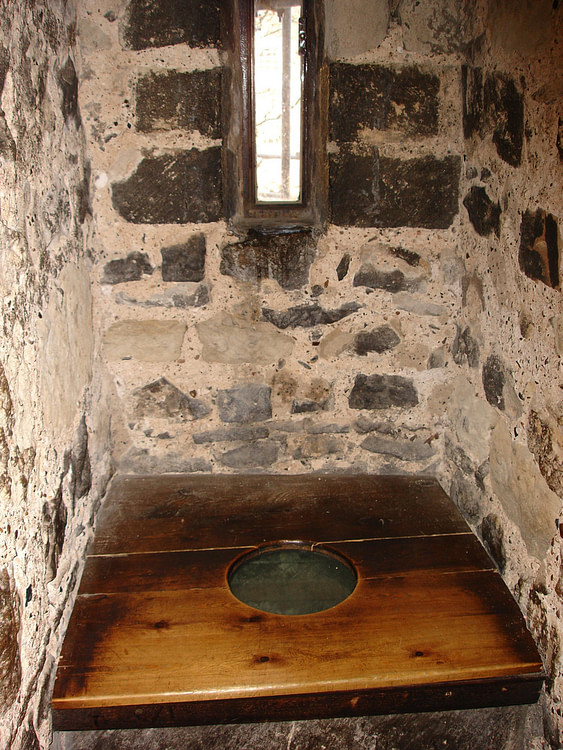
x,y
506,691
137,648
180,570
146,514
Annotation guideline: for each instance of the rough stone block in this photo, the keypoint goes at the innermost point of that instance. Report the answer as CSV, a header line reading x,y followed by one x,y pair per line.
x,y
233,340
540,247
382,392
433,26
245,403
465,495
523,492
172,189
492,534
286,258
180,100
465,348
545,440
140,461
391,280
379,340
55,519
146,340
369,190
493,106
407,302
231,435
308,316
406,450
472,419
10,664
261,454
130,268
194,22
377,98
186,261
163,399
182,296
305,406
68,81
499,387
483,213
354,27
343,266
313,446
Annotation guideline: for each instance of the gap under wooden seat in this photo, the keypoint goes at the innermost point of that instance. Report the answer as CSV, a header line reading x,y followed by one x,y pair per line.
x,y
157,638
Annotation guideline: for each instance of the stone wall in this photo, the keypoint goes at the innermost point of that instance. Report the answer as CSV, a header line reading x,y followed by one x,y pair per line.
x,y
318,350
51,465
505,441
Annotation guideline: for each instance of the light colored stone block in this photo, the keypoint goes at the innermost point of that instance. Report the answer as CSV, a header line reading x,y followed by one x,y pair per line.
x,y
146,340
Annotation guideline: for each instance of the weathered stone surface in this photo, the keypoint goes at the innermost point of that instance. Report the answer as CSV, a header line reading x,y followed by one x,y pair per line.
x,y
10,665
245,403
540,247
353,174
373,97
305,406
472,419
465,348
172,189
379,340
406,450
465,495
343,266
432,26
382,392
505,728
364,425
492,534
231,435
186,261
163,399
313,446
180,100
492,105
261,454
420,192
371,190
55,517
354,28
181,295
483,213
140,461
286,258
68,81
234,340
405,301
307,316
130,268
195,22
391,279
323,429
545,440
557,323
523,492
146,340
499,387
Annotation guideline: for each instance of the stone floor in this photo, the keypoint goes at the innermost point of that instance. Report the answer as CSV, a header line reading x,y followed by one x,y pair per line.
x,y
511,728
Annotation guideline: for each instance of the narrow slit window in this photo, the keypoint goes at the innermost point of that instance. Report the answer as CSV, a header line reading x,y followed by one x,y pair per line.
x,y
278,100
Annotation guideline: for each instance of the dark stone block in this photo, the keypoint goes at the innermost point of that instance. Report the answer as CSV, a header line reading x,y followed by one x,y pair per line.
x,y
466,496
483,213
172,189
307,316
392,281
465,348
80,462
382,392
493,537
54,522
7,143
353,176
4,65
379,340
406,450
158,24
374,97
231,435
68,81
189,101
260,454
164,400
539,253
305,406
494,378
130,268
409,256
184,262
421,192
10,664
492,105
283,257
558,140
245,403
343,266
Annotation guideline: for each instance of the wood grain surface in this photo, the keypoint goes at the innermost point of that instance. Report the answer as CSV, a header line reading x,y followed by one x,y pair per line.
x,y
155,623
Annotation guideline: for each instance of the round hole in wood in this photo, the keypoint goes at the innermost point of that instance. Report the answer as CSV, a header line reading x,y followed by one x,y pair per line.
x,y
293,578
